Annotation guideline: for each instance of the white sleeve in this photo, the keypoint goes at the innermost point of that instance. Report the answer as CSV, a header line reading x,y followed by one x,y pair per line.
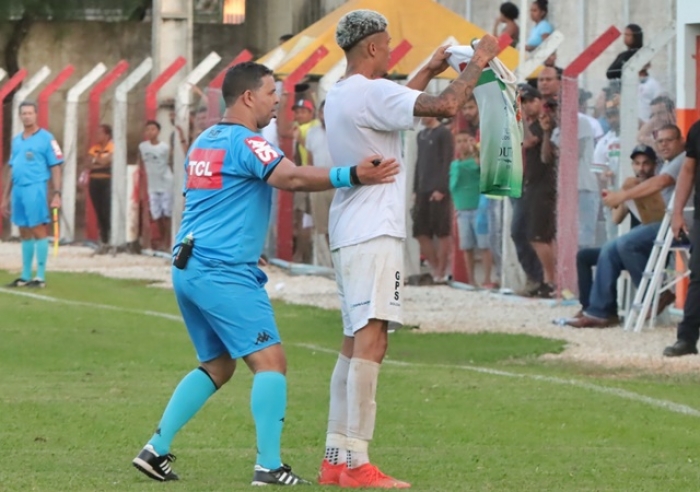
x,y
389,106
600,155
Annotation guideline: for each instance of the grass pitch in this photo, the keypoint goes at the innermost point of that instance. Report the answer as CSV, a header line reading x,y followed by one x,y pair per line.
x,y
83,386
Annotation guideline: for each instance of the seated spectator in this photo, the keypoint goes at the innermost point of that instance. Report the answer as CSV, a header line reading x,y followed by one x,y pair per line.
x,y
631,251
662,113
432,210
508,14
587,258
633,39
472,208
542,29
647,91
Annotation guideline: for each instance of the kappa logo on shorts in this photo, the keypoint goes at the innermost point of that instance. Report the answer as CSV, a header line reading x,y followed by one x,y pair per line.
x,y
262,150
204,169
56,149
262,338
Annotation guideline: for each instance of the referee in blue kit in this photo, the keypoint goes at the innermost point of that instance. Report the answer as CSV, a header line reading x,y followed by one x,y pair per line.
x,y
35,158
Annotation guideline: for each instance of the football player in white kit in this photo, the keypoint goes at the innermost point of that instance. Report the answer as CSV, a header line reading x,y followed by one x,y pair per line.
x,y
365,114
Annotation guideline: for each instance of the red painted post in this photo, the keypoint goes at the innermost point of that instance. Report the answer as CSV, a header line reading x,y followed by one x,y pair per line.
x,y
285,201
567,179
91,231
398,53
147,227
214,87
158,83
45,94
5,90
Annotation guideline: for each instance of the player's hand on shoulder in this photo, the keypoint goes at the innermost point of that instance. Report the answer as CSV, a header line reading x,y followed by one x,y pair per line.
x,y
369,174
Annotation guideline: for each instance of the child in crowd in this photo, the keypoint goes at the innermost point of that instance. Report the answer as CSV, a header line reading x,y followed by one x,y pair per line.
x,y
471,207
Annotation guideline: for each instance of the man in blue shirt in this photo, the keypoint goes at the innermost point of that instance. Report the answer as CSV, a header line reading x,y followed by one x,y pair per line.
x,y
229,175
35,159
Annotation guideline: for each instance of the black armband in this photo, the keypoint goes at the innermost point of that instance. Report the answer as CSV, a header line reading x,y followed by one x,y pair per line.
x,y
353,176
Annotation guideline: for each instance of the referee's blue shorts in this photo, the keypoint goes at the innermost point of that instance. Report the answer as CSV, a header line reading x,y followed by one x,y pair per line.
x,y
30,205
225,307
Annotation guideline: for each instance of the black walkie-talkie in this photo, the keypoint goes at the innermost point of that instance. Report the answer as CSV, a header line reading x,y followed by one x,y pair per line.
x,y
184,253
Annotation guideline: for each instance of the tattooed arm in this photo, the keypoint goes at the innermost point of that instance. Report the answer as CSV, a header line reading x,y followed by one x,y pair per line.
x,y
449,101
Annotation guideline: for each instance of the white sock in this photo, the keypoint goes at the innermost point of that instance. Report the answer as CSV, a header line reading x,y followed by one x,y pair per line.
x,y
336,436
362,409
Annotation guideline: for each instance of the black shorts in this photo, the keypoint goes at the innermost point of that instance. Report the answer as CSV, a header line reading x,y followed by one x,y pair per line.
x,y
432,218
541,214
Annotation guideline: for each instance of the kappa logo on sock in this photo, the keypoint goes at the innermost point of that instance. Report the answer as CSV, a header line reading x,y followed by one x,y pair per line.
x,y
158,431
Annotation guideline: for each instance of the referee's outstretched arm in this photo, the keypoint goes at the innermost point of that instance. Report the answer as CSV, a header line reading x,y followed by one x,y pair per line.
x,y
288,176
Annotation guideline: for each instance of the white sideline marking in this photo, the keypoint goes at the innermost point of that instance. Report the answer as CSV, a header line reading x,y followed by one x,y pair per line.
x,y
107,307
628,395
620,393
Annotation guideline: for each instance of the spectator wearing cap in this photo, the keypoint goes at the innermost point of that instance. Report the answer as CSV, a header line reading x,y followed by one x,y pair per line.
x,y
304,111
587,258
506,22
542,29
633,39
606,159
531,102
631,251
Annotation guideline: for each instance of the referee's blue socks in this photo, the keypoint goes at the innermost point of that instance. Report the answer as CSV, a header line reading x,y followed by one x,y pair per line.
x,y
27,258
42,253
189,396
268,401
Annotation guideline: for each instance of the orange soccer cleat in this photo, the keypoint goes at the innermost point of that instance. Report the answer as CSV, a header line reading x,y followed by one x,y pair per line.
x,y
330,474
369,476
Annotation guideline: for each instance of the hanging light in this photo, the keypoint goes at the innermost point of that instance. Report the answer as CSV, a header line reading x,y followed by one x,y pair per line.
x,y
234,11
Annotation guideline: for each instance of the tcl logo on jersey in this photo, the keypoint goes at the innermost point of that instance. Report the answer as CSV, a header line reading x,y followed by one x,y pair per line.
x,y
56,149
204,169
262,149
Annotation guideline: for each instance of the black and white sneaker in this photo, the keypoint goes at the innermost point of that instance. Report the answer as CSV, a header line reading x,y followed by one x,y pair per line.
x,y
281,476
19,282
37,283
154,466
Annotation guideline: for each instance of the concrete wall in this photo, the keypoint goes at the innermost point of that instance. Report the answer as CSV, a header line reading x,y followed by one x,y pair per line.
x,y
598,15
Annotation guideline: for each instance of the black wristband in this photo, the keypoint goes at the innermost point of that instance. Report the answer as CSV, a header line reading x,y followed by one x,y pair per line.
x,y
353,176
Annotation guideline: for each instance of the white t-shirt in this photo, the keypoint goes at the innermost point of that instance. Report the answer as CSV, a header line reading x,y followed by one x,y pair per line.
x,y
365,117
586,179
595,124
607,154
317,144
156,161
269,133
647,91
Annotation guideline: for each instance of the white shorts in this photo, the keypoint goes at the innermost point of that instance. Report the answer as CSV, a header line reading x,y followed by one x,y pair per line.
x,y
370,280
161,203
